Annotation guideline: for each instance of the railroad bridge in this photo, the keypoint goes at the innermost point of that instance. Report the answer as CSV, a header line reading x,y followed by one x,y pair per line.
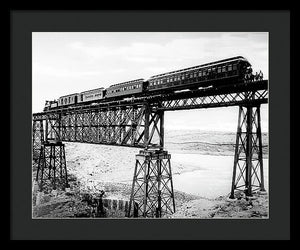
x,y
139,122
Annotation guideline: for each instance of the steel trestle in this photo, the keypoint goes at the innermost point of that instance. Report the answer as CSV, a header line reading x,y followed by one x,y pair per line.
x,y
248,173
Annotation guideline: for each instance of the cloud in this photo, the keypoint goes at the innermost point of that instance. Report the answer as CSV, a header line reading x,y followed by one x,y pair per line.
x,y
180,52
61,72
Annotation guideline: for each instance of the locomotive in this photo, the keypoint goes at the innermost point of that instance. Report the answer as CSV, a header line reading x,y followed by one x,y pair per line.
x,y
236,69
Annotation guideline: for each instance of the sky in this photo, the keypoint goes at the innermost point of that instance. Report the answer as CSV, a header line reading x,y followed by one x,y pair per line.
x,y
66,62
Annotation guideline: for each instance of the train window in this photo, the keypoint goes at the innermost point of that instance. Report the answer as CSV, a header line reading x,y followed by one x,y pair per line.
x,y
229,67
234,67
195,74
191,75
204,73
200,73
219,70
69,99
224,69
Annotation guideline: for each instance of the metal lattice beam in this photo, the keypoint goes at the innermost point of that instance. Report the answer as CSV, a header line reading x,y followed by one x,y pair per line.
x,y
152,186
52,167
136,126
37,139
248,161
220,100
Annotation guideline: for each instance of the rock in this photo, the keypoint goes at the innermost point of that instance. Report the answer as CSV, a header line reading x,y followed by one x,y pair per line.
x,y
46,198
54,192
39,197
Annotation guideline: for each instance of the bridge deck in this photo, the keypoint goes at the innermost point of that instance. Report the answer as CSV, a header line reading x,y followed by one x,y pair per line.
x,y
236,94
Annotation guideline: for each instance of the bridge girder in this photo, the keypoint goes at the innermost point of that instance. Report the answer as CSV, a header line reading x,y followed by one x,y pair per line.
x,y
141,123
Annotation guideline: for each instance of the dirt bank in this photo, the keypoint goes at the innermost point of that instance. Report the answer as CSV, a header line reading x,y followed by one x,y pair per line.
x,y
95,168
73,204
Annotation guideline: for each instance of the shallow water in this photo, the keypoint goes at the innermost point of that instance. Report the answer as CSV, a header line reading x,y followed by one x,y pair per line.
x,y
211,177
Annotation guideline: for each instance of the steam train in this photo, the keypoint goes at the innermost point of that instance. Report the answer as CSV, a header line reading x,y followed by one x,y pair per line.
x,y
236,69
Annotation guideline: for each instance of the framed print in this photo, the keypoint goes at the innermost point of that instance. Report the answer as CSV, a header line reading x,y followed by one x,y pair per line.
x,y
156,120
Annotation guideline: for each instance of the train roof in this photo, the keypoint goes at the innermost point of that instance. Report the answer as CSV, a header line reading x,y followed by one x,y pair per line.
x,y
203,65
101,88
68,95
128,82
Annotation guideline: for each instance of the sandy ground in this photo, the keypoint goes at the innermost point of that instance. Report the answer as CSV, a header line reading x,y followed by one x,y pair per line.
x,y
93,168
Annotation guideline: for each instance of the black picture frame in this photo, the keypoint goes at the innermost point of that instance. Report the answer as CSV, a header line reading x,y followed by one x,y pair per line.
x,y
24,22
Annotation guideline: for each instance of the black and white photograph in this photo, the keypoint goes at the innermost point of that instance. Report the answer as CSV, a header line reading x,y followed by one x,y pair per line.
x,y
150,125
